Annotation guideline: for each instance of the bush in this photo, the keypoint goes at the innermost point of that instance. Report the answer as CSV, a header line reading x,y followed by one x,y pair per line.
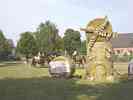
x,y
124,58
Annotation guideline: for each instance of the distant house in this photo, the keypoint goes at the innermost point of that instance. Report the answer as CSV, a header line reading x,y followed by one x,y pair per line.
x,y
123,44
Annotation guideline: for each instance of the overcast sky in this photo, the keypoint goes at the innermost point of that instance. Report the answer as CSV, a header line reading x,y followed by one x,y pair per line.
x,y
17,16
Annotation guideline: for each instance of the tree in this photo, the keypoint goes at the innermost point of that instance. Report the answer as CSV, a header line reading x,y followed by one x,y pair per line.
x,y
5,46
83,48
72,41
59,45
27,45
2,41
47,37
8,46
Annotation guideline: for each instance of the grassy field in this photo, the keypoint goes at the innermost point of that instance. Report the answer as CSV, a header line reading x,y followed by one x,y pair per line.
x,y
23,82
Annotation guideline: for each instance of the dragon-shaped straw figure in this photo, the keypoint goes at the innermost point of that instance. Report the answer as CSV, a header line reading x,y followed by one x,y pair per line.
x,y
99,31
99,48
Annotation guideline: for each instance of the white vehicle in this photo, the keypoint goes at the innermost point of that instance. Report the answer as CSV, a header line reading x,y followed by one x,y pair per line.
x,y
61,67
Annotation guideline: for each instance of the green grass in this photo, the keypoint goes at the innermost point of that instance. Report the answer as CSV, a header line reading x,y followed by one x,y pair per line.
x,y
21,71
23,82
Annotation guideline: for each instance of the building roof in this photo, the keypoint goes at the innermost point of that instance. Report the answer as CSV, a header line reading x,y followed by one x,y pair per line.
x,y
124,40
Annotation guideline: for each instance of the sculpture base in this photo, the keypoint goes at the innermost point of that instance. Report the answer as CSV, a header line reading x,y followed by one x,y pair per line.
x,y
100,65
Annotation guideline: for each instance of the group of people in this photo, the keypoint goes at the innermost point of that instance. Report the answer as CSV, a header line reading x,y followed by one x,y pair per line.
x,y
78,59
38,60
43,58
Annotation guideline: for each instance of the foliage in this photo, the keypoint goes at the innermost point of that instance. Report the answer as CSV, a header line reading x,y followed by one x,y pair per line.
x,y
124,58
47,37
83,48
6,46
59,44
2,42
27,44
114,57
72,41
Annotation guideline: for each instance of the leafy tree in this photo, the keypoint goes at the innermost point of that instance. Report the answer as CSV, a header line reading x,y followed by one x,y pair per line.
x,y
72,41
5,46
8,46
59,44
27,44
2,41
47,37
83,48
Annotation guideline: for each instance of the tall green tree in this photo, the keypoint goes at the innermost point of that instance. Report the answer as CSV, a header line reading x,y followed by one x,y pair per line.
x,y
5,46
47,37
83,49
2,41
59,44
27,45
72,41
8,46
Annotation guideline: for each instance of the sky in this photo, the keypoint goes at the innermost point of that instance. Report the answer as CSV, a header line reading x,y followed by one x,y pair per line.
x,y
17,16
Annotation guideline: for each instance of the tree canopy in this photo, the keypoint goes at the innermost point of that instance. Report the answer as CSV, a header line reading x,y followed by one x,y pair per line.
x,y
2,42
27,44
47,37
83,49
5,46
72,41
